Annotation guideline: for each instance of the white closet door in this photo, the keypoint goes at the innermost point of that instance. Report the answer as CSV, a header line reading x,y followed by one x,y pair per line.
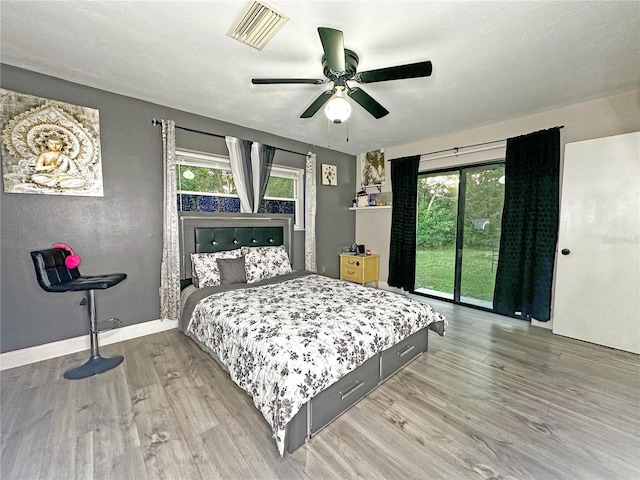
x,y
597,292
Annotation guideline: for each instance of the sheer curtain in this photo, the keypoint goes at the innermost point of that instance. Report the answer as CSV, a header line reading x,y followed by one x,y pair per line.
x,y
402,248
530,219
310,213
170,265
241,169
250,166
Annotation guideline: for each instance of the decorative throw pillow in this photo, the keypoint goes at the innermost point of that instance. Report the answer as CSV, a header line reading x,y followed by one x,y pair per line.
x,y
265,262
204,267
231,270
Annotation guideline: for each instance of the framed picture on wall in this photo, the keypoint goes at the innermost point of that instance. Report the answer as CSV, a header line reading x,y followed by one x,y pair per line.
x,y
373,168
49,147
328,175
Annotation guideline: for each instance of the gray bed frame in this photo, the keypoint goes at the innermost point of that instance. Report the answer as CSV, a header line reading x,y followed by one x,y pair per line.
x,y
216,232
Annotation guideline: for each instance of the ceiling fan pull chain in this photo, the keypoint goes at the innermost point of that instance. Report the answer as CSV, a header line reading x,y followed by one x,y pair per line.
x,y
329,133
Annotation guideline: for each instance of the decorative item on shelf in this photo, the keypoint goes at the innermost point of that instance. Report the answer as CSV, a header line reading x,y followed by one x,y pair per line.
x,y
328,175
362,199
361,250
383,198
367,252
354,247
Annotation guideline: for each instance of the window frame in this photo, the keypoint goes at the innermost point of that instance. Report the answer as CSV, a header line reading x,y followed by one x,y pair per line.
x,y
221,162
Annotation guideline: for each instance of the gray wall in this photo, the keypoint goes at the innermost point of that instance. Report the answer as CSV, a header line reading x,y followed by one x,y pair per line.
x,y
122,231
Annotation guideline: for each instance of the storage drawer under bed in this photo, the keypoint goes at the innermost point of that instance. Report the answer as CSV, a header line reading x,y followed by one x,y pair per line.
x,y
402,353
331,402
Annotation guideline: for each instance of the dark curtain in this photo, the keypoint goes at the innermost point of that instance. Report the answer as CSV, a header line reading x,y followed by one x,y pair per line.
x,y
529,225
402,258
265,154
247,170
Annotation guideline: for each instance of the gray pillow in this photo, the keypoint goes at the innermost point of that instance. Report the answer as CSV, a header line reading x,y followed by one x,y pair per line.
x,y
231,270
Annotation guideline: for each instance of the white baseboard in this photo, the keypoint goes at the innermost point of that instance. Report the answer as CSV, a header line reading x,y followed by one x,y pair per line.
x,y
17,358
536,323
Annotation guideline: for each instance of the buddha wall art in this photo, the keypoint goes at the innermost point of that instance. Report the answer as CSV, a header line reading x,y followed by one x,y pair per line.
x,y
49,147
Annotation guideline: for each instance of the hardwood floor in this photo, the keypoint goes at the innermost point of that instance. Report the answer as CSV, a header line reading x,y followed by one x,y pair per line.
x,y
494,399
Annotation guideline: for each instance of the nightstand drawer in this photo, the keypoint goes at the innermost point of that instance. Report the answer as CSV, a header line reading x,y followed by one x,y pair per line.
x,y
352,263
352,274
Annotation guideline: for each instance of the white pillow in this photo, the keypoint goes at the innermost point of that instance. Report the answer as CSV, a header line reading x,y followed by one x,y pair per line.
x,y
204,268
265,262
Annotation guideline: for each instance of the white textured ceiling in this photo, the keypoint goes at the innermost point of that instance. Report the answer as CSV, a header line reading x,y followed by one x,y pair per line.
x,y
491,60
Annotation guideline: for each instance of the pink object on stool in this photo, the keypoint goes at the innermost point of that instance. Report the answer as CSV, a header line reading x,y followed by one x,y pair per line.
x,y
73,260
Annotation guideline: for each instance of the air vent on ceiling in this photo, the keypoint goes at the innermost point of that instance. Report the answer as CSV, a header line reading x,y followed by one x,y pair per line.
x,y
257,24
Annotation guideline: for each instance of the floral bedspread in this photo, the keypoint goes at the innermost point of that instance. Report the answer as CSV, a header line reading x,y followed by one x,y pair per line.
x,y
284,343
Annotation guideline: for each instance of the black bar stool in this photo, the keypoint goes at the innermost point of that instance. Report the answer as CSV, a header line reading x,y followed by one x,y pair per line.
x,y
54,276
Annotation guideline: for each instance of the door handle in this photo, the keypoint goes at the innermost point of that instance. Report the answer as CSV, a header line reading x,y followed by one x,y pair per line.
x,y
565,251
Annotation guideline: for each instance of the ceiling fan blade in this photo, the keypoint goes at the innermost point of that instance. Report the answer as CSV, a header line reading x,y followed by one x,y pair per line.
x,y
317,104
272,81
411,70
333,45
367,102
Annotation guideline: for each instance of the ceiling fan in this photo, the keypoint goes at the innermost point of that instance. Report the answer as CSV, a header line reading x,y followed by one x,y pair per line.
x,y
340,67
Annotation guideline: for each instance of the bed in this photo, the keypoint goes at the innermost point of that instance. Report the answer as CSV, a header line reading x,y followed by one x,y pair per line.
x,y
305,347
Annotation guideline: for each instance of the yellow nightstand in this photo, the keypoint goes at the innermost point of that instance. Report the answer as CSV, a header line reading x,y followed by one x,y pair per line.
x,y
360,268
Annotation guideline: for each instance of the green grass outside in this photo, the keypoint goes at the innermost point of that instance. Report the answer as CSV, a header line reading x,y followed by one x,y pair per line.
x,y
435,270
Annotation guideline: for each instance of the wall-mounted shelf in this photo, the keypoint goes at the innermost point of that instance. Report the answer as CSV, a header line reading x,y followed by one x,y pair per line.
x,y
383,207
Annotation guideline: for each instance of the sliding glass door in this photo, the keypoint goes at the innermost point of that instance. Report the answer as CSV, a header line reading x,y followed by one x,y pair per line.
x,y
458,234
436,233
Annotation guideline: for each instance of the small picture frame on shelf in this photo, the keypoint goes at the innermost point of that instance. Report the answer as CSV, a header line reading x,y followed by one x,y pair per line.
x,y
328,175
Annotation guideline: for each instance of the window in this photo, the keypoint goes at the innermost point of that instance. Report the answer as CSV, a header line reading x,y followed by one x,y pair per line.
x,y
205,184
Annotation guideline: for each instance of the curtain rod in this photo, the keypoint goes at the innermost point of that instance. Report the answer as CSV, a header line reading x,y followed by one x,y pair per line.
x,y
452,153
456,149
156,122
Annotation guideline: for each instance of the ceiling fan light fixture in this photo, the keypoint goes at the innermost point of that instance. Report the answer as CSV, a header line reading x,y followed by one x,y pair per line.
x,y
338,109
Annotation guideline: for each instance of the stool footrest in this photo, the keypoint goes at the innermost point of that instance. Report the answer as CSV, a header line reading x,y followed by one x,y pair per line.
x,y
108,324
